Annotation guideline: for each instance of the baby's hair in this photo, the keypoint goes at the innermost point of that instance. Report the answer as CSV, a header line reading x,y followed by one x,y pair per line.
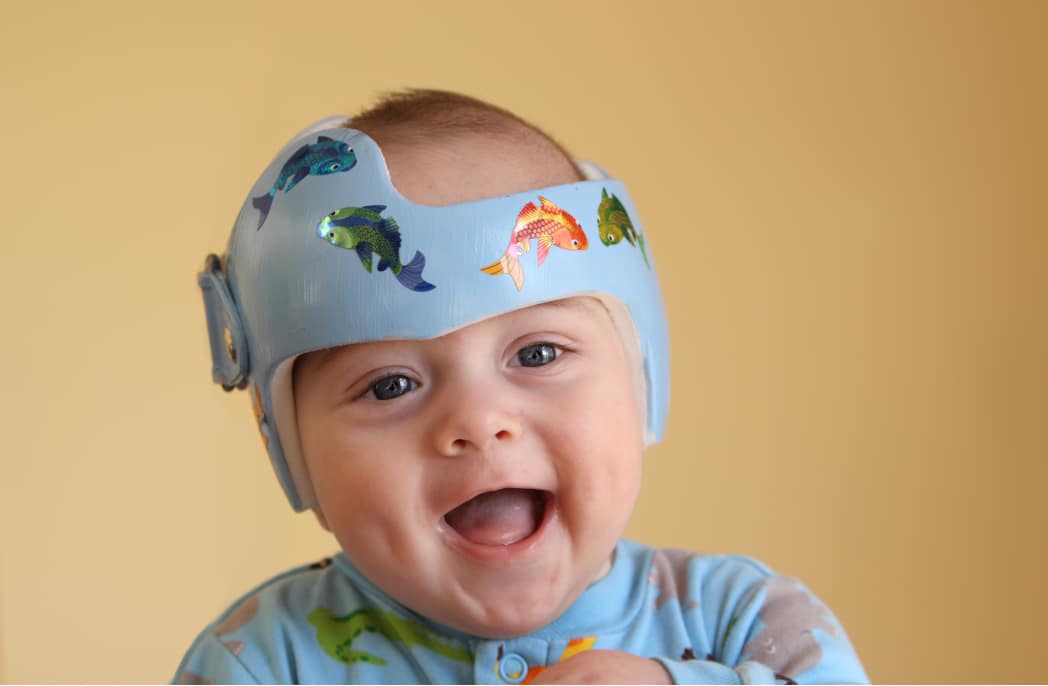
x,y
424,116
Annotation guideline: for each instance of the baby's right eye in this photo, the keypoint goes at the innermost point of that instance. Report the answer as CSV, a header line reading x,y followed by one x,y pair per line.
x,y
391,387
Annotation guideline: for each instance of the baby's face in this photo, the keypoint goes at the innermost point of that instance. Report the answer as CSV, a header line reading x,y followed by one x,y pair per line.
x,y
481,478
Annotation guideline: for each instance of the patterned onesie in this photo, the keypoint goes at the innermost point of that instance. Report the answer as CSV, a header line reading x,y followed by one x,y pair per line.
x,y
707,619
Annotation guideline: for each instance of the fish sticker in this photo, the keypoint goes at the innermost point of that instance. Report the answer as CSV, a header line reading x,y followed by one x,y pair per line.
x,y
548,224
613,224
326,156
366,231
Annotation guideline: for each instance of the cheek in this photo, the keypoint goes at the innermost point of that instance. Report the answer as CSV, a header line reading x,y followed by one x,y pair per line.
x,y
603,457
347,475
368,505
615,440
614,420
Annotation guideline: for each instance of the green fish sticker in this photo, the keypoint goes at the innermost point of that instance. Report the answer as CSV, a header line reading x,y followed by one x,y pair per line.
x,y
366,231
613,224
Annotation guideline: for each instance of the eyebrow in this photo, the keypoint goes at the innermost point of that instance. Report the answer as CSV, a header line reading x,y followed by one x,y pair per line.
x,y
582,303
328,356
578,302
325,356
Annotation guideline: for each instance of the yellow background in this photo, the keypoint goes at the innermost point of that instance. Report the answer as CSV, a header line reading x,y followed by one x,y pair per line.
x,y
846,202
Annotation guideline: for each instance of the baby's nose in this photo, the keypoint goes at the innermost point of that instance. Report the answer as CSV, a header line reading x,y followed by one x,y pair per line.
x,y
476,422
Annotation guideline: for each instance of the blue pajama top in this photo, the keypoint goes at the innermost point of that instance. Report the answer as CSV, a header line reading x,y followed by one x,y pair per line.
x,y
708,619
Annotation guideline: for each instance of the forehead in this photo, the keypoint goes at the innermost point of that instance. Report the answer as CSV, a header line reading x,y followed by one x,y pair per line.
x,y
576,313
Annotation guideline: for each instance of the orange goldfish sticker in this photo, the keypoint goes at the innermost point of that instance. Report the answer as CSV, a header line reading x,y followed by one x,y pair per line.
x,y
550,226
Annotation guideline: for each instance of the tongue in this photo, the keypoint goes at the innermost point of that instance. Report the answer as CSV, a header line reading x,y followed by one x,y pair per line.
x,y
497,518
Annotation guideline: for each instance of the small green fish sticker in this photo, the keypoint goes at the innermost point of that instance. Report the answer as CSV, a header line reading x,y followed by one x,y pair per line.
x,y
613,224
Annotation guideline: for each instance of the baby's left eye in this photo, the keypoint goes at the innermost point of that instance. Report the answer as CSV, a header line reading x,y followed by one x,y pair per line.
x,y
392,386
537,355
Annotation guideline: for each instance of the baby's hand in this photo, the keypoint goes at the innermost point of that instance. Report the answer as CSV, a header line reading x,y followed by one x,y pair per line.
x,y
604,667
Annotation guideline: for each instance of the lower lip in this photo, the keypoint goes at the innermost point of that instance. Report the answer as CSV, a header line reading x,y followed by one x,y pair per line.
x,y
498,553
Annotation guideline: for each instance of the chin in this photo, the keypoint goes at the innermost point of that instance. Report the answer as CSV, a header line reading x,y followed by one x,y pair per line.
x,y
508,624
510,611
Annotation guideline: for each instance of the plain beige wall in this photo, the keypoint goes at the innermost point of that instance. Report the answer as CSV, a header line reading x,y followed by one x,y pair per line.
x,y
846,202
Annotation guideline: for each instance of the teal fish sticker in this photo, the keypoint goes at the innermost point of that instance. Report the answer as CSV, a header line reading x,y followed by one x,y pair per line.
x,y
366,231
613,224
326,156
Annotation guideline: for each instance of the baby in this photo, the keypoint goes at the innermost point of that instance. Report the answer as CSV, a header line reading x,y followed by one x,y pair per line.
x,y
460,381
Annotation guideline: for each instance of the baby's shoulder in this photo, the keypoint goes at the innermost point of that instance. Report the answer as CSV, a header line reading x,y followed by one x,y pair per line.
x,y
289,597
257,637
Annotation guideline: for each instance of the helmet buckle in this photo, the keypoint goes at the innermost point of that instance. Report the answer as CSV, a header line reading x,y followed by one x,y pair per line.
x,y
229,363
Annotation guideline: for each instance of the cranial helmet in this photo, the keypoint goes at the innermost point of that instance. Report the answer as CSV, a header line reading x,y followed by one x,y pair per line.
x,y
326,252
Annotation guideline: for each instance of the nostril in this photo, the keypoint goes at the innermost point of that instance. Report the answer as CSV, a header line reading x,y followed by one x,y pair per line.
x,y
461,445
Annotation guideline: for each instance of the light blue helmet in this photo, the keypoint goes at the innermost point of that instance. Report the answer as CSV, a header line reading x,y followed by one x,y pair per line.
x,y
326,252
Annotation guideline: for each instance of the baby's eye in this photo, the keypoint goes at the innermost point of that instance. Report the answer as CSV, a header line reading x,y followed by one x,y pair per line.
x,y
537,355
391,387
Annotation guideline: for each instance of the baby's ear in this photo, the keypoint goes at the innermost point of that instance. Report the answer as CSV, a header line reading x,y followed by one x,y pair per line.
x,y
321,518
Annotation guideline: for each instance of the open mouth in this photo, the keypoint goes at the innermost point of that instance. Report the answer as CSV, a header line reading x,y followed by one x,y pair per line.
x,y
500,518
